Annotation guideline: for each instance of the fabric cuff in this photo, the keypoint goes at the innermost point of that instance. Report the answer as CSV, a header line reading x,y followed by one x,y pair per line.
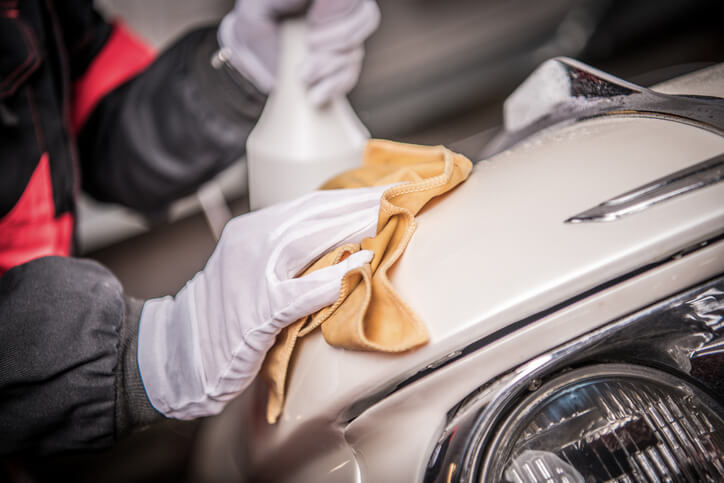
x,y
133,408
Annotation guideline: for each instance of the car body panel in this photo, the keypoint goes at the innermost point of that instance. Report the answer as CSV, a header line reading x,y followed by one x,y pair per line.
x,y
525,257
501,240
704,82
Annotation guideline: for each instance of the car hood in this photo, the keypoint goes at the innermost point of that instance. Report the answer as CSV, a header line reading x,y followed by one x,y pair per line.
x,y
497,249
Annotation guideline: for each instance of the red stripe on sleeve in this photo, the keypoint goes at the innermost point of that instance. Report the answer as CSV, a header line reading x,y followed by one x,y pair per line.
x,y
31,230
123,56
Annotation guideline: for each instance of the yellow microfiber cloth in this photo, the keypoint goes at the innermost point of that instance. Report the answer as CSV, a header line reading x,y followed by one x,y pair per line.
x,y
369,314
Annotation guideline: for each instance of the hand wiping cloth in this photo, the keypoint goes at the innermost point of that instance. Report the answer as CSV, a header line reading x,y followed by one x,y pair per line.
x,y
369,314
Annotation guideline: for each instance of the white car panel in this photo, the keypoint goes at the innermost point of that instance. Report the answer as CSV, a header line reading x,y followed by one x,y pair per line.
x,y
525,257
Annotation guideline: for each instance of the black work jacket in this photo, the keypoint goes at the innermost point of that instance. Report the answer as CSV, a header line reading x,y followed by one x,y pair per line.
x,y
85,105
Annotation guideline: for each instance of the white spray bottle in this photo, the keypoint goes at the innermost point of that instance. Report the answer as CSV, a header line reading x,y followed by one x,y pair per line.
x,y
296,146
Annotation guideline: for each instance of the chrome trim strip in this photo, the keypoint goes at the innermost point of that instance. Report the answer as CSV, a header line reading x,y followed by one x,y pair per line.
x,y
676,184
580,92
354,410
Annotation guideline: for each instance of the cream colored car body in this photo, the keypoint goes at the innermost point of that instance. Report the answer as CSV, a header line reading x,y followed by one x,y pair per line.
x,y
493,252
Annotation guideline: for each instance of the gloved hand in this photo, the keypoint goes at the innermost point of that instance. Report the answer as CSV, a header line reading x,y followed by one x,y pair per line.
x,y
336,32
198,350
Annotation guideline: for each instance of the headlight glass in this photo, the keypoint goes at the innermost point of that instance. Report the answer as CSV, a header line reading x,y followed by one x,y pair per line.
x,y
616,423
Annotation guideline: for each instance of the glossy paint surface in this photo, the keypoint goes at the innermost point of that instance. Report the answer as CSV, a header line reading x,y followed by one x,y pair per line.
x,y
497,250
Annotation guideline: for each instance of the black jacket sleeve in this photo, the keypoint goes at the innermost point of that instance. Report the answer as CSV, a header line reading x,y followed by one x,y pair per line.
x,y
69,375
159,135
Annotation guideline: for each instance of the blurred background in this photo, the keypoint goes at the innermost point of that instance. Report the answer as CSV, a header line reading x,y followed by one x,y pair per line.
x,y
435,72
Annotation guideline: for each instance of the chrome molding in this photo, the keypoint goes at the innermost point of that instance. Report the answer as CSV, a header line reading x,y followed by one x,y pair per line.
x,y
676,184
683,334
564,91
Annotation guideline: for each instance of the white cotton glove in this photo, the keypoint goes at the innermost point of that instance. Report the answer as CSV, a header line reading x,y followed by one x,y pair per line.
x,y
337,30
198,350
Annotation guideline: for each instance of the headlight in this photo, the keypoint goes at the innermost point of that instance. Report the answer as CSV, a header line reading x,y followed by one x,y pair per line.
x,y
610,422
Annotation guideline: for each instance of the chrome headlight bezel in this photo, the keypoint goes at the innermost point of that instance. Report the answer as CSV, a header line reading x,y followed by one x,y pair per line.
x,y
652,423
679,335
